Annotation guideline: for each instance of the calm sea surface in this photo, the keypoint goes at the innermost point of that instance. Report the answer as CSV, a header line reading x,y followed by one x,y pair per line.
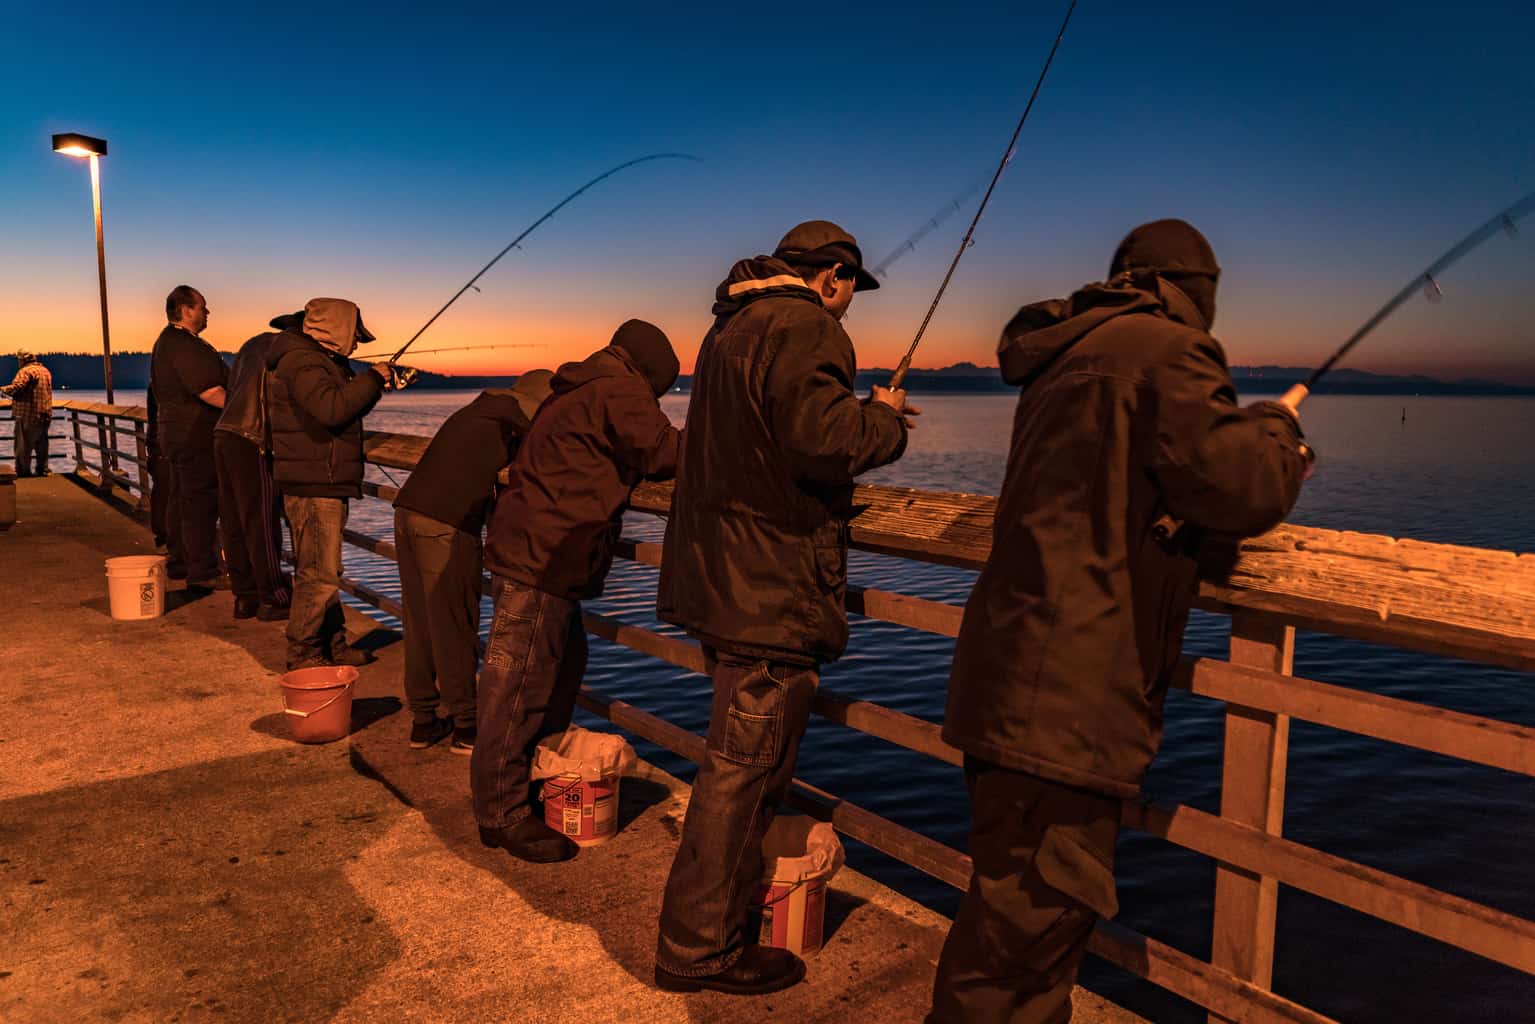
x,y
1456,470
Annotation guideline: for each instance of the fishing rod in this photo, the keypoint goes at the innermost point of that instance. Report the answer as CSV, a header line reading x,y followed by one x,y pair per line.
x,y
402,376
899,377
910,245
1428,281
1166,527
463,348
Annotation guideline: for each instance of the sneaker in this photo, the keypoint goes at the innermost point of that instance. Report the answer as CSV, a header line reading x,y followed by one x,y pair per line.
x,y
463,740
314,662
424,734
346,654
530,840
757,971
246,606
272,612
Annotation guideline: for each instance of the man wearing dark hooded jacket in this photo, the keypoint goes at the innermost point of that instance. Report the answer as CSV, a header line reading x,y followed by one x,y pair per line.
x,y
1127,430
438,517
755,567
250,507
549,547
315,406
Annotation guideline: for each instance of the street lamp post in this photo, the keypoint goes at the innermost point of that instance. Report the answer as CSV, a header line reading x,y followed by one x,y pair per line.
x,y
84,145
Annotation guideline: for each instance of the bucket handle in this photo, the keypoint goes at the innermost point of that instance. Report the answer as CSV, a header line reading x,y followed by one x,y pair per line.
x,y
305,714
554,794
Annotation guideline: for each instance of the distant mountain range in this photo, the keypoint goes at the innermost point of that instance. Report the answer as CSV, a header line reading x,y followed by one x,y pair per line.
x,y
130,371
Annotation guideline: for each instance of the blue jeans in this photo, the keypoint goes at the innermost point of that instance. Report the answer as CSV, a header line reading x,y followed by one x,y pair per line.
x,y
533,669
755,724
316,624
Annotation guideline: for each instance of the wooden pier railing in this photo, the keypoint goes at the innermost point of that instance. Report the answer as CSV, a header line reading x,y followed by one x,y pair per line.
x,y
1466,602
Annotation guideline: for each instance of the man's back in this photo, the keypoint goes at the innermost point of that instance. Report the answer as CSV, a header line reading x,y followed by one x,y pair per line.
x,y
182,367
454,478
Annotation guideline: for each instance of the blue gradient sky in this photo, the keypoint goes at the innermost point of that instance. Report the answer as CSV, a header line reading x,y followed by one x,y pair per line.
x,y
384,154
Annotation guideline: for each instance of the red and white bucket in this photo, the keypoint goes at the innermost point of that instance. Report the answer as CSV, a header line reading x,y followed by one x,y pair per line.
x,y
584,811
793,915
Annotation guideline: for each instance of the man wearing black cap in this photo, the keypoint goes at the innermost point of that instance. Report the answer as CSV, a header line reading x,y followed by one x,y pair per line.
x,y
549,547
1127,446
315,406
755,567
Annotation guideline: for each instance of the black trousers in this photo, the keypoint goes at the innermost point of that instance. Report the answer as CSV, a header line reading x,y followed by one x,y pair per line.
x,y
159,496
756,721
1043,875
250,519
192,516
440,567
32,446
533,669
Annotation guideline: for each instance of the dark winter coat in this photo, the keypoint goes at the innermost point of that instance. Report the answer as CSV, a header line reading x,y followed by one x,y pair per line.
x,y
755,558
1127,413
599,434
315,406
244,412
455,478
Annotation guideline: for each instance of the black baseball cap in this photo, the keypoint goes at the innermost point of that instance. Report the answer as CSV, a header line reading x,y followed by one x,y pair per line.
x,y
820,243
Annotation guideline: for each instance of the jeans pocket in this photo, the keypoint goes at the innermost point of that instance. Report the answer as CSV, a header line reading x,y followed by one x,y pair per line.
x,y
512,628
754,721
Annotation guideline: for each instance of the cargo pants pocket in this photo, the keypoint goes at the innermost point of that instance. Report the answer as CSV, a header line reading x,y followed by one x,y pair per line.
x,y
754,720
1068,865
512,628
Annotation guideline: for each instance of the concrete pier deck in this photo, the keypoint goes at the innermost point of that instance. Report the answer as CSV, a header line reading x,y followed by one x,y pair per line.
x,y
168,855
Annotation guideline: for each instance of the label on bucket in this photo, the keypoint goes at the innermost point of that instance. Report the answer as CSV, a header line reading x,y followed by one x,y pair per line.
x,y
586,812
792,915
147,598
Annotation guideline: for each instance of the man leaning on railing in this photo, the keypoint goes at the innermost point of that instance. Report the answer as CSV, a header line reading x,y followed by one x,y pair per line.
x,y
31,395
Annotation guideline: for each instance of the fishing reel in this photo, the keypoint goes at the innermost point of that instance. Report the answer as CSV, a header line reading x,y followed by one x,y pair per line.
x,y
401,377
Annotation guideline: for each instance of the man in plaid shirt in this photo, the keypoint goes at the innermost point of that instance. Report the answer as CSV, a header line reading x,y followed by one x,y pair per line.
x,y
31,395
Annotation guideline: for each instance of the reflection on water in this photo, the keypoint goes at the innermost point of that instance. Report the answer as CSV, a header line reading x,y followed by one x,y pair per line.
x,y
1456,470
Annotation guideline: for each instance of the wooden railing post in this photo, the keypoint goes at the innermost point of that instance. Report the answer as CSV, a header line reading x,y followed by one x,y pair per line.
x,y
74,422
105,451
141,446
1252,793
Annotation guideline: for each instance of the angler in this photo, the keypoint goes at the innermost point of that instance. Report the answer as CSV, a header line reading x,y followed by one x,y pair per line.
x,y
1126,411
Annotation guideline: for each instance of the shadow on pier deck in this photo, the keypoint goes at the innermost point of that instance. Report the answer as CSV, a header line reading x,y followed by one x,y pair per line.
x,y
166,854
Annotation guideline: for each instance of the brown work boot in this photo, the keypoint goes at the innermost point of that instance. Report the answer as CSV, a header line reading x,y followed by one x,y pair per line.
x,y
530,840
346,654
246,606
757,971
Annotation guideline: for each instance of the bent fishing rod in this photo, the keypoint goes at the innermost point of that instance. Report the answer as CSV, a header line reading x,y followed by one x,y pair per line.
x,y
1166,527
1428,281
899,377
402,376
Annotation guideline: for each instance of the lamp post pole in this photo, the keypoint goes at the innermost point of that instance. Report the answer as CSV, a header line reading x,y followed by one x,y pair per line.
x,y
101,273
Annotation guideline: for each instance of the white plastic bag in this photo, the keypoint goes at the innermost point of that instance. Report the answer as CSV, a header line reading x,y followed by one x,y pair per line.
x,y
582,752
797,848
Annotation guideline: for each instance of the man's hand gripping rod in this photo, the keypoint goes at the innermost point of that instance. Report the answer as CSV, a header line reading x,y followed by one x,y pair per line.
x,y
899,377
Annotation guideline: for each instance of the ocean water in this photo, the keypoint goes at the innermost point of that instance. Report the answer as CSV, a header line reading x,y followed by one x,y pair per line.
x,y
1455,470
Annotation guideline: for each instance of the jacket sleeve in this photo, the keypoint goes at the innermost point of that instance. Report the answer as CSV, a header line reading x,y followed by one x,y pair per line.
x,y
643,438
1221,466
828,434
312,387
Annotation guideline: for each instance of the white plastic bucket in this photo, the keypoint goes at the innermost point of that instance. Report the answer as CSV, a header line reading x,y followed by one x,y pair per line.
x,y
136,586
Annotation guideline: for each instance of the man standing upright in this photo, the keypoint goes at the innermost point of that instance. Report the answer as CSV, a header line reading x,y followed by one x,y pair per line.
x,y
438,517
549,547
187,376
250,508
755,567
315,406
31,394
1127,445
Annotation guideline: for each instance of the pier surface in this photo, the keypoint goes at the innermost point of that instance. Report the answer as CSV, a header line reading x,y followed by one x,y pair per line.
x,y
168,855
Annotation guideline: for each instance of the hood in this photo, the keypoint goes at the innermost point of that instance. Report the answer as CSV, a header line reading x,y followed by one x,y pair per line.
x,y
758,278
605,362
650,351
288,341
335,324
1175,250
1039,333
530,391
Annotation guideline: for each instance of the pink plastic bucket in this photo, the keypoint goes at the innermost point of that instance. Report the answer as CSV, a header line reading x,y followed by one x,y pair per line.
x,y
317,702
585,812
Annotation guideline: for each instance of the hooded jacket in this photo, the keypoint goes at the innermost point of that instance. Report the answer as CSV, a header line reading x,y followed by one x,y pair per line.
x,y
315,405
1126,413
592,441
454,481
755,557
244,412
